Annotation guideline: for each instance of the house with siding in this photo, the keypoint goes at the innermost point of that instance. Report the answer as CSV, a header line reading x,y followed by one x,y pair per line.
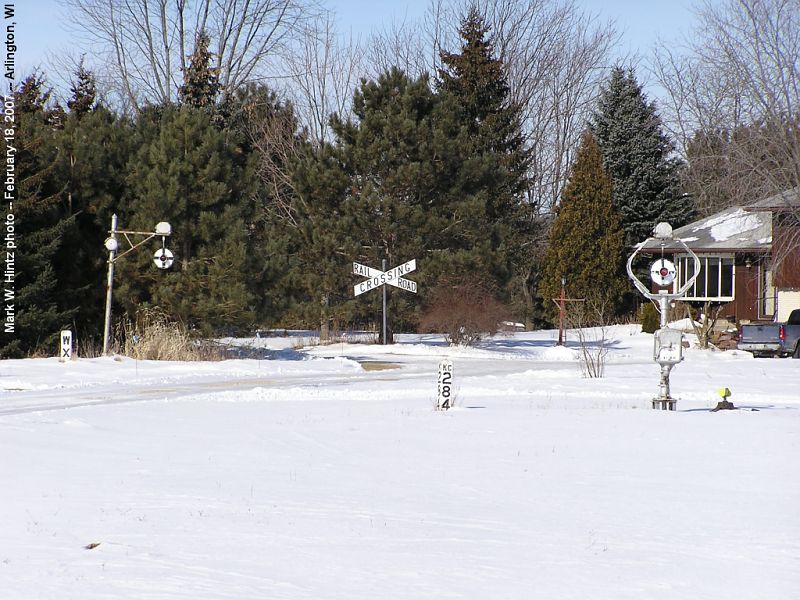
x,y
749,259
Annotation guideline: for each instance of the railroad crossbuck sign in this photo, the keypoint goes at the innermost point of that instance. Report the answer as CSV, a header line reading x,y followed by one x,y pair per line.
x,y
378,278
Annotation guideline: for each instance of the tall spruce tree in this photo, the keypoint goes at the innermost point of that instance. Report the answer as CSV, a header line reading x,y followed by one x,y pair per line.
x,y
639,158
476,82
84,93
586,239
200,80
474,89
39,227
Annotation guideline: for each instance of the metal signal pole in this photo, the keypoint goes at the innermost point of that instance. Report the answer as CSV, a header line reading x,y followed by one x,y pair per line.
x,y
111,245
667,343
163,260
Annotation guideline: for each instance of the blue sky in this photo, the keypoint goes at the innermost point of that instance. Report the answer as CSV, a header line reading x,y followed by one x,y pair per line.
x,y
41,26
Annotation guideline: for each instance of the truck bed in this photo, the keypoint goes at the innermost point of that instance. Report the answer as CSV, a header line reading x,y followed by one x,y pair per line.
x,y
762,339
772,339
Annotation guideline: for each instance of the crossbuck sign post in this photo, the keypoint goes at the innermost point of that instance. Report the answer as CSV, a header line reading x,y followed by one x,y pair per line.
x,y
383,277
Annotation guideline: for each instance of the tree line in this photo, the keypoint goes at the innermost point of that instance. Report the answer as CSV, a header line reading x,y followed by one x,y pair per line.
x,y
441,161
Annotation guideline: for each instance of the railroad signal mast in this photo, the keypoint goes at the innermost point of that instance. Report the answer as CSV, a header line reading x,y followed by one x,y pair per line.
x,y
162,258
667,343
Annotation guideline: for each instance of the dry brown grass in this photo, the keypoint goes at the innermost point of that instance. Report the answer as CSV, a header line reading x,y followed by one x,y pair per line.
x,y
154,336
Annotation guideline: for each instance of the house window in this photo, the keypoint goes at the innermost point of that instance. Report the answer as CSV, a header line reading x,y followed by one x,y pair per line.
x,y
714,282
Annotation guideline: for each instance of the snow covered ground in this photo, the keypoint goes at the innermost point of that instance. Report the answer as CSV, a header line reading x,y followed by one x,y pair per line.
x,y
325,473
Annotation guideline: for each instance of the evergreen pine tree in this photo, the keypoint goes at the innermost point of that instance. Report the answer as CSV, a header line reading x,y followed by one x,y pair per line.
x,y
586,238
94,148
421,185
638,157
392,203
272,142
38,226
33,98
193,175
320,241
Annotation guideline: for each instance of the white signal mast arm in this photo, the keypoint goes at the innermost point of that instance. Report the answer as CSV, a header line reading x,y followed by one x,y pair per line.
x,y
645,290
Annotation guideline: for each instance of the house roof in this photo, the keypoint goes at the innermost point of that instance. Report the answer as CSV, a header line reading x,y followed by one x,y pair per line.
x,y
785,201
735,229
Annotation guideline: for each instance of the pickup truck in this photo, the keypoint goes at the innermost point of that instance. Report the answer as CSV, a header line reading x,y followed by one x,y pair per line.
x,y
772,339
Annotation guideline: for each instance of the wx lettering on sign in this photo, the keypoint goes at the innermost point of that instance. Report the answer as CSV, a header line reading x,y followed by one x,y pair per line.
x,y
66,346
377,278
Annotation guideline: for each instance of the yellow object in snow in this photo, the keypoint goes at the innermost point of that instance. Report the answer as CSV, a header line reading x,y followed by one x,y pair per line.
x,y
724,392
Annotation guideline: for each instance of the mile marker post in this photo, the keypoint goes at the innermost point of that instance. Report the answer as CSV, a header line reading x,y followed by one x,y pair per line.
x,y
444,393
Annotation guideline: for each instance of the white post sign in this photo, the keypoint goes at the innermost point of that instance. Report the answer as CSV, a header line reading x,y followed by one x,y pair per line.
x,y
378,278
444,397
66,346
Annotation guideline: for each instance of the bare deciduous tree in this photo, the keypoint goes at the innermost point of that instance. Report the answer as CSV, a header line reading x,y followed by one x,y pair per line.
x,y
590,321
413,45
398,45
273,134
703,324
142,45
557,55
733,101
323,70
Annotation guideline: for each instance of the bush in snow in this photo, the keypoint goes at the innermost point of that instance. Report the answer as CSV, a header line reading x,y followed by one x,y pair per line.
x,y
649,318
464,309
590,320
